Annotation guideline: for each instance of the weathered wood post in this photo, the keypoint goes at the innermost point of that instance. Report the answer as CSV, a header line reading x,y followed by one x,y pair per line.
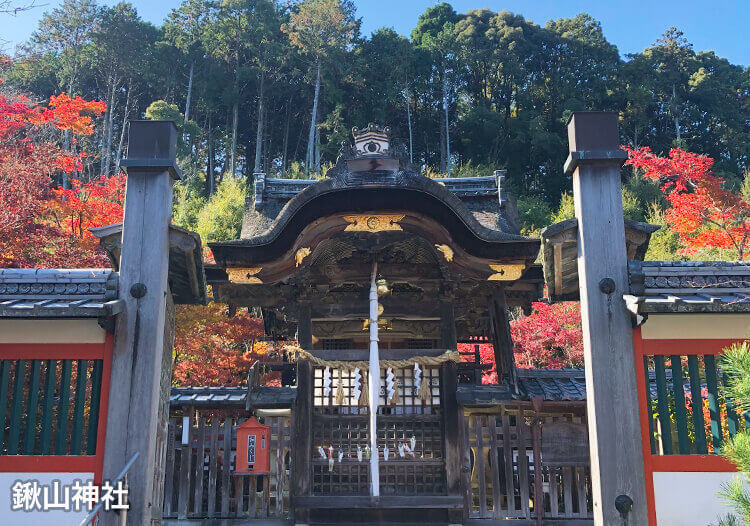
x,y
302,416
616,456
132,422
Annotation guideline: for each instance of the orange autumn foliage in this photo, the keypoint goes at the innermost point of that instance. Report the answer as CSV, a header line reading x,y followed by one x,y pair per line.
x,y
702,211
214,349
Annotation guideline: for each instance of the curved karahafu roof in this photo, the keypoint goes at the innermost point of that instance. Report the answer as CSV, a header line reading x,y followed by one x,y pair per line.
x,y
472,215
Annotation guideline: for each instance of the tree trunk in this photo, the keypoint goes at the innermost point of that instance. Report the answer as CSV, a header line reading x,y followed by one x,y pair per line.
x,y
189,92
674,115
235,117
126,112
211,160
310,159
408,118
259,132
447,132
110,122
285,147
317,150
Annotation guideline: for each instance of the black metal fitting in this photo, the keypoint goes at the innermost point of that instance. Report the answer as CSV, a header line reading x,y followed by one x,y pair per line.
x,y
607,285
623,504
138,290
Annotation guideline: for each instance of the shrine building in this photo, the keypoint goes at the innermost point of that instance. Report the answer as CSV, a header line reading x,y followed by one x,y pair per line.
x,y
367,281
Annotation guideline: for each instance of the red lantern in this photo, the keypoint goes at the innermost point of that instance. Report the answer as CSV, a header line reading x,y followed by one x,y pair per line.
x,y
253,447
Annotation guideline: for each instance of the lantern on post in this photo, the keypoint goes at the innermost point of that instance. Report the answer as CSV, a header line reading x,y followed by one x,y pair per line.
x,y
253,447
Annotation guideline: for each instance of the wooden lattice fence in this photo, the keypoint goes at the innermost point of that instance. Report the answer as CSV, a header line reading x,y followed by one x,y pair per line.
x,y
200,481
504,482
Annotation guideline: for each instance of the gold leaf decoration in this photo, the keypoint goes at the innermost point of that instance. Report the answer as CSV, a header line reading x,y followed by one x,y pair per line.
x,y
507,272
244,275
301,254
373,223
446,251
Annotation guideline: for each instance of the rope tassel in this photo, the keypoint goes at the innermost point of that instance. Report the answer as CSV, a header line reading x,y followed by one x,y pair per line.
x,y
365,396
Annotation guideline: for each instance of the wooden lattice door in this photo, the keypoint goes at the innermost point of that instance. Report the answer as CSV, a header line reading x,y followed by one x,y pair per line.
x,y
345,427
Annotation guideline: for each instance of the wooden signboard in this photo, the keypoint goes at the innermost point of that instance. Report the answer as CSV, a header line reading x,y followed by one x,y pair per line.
x,y
565,444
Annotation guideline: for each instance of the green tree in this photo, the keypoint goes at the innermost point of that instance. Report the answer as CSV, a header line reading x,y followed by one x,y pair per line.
x,y
735,362
322,30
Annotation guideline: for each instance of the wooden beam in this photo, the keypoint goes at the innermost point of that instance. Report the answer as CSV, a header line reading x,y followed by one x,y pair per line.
x,y
501,340
383,502
301,439
139,341
613,418
358,355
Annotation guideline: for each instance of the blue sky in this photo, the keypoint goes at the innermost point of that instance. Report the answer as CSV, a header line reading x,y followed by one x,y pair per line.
x,y
719,25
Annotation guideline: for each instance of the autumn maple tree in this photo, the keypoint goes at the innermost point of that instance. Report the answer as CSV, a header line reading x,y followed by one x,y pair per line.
x,y
212,348
41,226
701,210
550,337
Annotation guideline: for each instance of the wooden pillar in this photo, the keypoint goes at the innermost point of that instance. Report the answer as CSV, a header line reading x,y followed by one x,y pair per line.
x,y
612,403
501,341
450,409
134,398
302,417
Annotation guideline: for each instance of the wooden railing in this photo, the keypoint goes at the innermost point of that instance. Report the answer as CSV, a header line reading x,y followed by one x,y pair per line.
x,y
509,478
199,470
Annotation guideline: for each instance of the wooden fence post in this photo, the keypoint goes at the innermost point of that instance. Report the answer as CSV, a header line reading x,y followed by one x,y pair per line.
x,y
612,402
132,420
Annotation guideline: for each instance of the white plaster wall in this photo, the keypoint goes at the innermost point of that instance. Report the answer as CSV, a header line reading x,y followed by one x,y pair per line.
x,y
37,518
689,499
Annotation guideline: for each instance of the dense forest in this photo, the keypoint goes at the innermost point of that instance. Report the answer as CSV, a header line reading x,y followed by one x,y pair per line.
x,y
272,86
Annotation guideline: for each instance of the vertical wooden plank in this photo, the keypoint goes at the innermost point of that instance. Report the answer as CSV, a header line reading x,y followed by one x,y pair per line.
x,y
510,483
523,463
279,443
169,465
497,509
32,408
713,402
4,378
733,422
45,433
266,495
213,463
252,504
61,432
226,467
553,505
16,413
479,464
697,401
466,467
79,402
239,496
662,404
200,455
580,473
536,431
678,389
96,397
186,454
567,473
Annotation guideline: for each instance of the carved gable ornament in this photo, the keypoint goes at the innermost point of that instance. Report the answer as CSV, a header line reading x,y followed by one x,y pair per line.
x,y
372,141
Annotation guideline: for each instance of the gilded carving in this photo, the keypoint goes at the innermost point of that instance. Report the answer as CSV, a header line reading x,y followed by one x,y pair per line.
x,y
373,223
244,275
507,272
301,254
446,251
